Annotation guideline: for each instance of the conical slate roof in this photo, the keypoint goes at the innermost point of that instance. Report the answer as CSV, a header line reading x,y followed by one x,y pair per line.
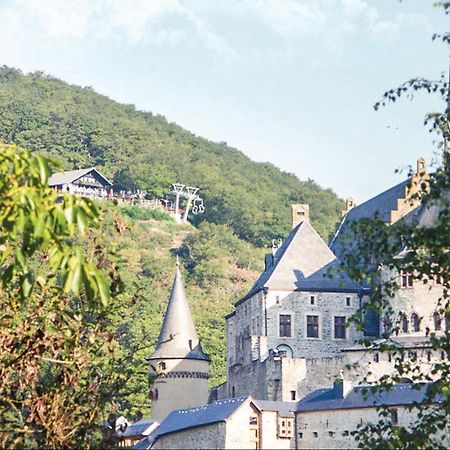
x,y
303,263
178,337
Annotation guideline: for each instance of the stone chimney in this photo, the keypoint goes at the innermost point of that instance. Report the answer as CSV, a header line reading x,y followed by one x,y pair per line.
x,y
349,204
341,386
299,213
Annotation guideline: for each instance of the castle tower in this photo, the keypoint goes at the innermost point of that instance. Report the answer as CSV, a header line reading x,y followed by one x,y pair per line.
x,y
178,366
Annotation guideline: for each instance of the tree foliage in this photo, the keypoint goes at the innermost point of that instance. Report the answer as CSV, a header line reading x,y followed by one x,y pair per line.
x,y
57,350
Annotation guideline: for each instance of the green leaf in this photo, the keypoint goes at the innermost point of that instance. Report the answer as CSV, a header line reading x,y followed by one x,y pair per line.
x,y
44,169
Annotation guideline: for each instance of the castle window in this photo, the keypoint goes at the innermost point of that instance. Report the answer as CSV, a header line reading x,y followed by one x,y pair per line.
x,y
428,356
348,301
393,413
277,299
315,434
438,279
345,433
437,321
162,365
312,300
339,327
407,279
331,433
404,323
300,435
376,357
293,395
285,325
312,326
415,322
285,427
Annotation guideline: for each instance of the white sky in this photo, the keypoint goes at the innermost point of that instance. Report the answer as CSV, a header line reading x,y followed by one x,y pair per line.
x,y
286,81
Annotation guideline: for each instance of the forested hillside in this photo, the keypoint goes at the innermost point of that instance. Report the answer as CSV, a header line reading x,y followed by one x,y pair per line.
x,y
142,150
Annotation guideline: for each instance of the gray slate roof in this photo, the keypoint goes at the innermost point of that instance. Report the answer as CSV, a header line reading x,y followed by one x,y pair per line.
x,y
217,411
140,427
70,176
361,397
302,263
284,409
379,206
178,328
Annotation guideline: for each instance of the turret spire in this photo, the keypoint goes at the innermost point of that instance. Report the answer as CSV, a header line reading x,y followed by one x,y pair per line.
x,y
178,337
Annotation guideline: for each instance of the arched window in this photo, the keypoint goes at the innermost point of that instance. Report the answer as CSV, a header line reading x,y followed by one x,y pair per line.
x,y
285,350
437,321
162,365
415,323
404,323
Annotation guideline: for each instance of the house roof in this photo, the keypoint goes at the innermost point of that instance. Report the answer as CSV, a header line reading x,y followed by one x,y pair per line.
x,y
70,176
217,411
303,263
362,397
141,427
379,206
178,337
284,409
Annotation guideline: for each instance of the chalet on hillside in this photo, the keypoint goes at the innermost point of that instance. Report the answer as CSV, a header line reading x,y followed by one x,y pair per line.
x,y
87,182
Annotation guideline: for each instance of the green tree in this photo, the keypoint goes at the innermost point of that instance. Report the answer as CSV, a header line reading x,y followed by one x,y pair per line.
x,y
58,370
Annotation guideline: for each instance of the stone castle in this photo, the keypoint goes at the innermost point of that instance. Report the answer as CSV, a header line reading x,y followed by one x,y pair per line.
x,y
290,336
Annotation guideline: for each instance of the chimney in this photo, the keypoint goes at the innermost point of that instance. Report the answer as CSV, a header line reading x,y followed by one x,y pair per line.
x,y
299,213
349,204
341,386
421,166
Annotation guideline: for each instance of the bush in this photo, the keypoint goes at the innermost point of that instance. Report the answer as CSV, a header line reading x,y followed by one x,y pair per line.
x,y
138,213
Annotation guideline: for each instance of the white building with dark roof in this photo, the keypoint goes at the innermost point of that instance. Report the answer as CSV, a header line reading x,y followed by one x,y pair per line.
x,y
86,182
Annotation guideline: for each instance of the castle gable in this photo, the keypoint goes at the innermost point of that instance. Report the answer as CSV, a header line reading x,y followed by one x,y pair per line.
x,y
303,263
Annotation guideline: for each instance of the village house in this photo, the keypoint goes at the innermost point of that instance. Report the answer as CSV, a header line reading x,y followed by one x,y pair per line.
x,y
237,423
86,182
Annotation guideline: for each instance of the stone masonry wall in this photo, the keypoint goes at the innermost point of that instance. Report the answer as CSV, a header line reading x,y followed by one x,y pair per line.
x,y
203,437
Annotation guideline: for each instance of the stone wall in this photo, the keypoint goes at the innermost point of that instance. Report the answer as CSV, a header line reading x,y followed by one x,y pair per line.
x,y
202,437
332,428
